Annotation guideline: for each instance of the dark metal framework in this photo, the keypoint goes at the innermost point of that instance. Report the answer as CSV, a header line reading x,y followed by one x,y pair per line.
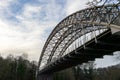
x,y
76,29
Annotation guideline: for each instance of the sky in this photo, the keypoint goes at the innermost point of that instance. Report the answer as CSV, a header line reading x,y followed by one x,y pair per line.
x,y
26,24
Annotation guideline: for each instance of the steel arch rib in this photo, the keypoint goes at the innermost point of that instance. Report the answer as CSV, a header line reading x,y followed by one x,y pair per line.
x,y
77,32
86,16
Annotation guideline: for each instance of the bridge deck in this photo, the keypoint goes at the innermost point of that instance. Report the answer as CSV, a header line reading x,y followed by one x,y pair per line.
x,y
106,44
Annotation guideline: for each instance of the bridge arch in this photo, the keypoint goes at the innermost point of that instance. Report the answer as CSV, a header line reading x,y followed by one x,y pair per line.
x,y
89,20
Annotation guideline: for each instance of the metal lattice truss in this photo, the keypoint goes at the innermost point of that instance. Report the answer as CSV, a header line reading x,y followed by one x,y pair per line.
x,y
77,29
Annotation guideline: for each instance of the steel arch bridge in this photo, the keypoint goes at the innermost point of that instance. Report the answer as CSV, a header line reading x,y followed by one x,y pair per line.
x,y
75,32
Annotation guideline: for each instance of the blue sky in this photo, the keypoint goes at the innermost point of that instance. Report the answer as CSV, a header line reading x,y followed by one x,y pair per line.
x,y
26,24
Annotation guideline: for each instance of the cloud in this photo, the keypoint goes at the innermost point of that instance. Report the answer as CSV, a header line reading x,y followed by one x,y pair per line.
x,y
27,30
25,27
5,3
73,6
30,11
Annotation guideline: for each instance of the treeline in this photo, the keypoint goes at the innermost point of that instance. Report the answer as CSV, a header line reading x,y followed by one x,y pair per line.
x,y
17,68
89,73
